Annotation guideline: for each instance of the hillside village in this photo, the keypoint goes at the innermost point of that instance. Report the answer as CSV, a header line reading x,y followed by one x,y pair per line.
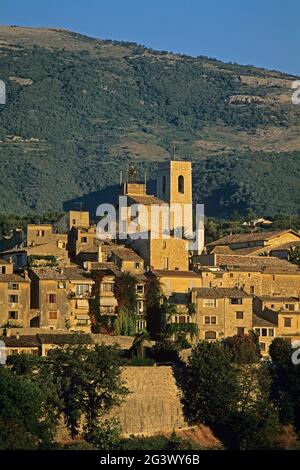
x,y
64,279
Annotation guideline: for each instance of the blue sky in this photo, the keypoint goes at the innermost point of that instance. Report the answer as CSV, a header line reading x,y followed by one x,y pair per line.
x,y
258,32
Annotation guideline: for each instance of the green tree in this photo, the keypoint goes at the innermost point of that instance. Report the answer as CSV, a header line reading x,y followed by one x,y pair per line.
x,y
210,386
23,421
285,382
89,384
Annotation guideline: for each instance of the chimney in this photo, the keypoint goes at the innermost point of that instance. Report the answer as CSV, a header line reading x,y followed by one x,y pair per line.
x,y
10,260
61,270
7,332
18,335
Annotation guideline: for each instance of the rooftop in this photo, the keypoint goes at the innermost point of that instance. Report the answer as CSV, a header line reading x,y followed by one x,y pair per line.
x,y
250,237
26,341
221,293
262,322
175,273
13,278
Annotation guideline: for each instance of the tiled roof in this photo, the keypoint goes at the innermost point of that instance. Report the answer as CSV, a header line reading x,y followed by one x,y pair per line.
x,y
107,266
275,298
260,262
175,273
146,200
262,322
76,274
49,274
249,237
221,293
222,250
13,278
126,254
26,341
64,338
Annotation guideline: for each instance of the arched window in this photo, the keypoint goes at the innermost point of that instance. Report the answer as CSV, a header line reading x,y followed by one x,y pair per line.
x,y
210,335
181,184
164,184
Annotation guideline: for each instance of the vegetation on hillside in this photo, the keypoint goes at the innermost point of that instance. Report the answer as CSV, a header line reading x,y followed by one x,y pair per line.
x,y
80,110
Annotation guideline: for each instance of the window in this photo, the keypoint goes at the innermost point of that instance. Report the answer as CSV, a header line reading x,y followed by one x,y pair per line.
x,y
137,265
251,289
164,245
210,335
209,302
82,321
74,222
262,346
240,331
236,301
257,331
182,319
40,233
51,298
264,332
271,331
140,306
81,289
53,315
3,270
287,322
181,184
61,285
83,239
107,287
210,320
140,288
13,286
13,298
231,274
166,263
239,315
290,307
13,315
164,184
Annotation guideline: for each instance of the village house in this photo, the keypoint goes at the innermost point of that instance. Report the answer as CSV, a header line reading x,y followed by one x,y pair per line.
x,y
283,312
222,312
14,296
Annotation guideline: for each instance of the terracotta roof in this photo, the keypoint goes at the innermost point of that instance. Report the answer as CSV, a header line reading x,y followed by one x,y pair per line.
x,y
221,293
62,339
146,200
249,237
260,262
76,274
222,249
175,273
13,278
126,254
105,266
261,322
26,341
286,246
274,298
49,274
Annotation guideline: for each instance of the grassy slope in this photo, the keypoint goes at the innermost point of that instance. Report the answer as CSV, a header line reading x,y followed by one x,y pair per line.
x,y
88,107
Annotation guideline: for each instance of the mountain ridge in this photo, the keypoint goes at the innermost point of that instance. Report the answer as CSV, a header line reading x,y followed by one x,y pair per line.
x,y
81,109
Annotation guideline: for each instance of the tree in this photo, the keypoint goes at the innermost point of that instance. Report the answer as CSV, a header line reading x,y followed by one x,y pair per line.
x,y
244,349
255,423
23,422
210,387
89,384
285,382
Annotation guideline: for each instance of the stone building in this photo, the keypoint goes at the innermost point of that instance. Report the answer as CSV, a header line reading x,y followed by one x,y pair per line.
x,y
14,296
222,312
283,312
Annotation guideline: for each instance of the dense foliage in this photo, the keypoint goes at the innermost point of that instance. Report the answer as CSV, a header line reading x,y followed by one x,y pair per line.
x,y
83,114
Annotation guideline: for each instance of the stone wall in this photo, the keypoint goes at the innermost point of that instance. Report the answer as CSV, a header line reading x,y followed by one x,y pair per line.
x,y
153,406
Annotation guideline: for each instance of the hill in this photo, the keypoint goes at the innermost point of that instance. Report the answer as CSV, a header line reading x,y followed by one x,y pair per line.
x,y
79,110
